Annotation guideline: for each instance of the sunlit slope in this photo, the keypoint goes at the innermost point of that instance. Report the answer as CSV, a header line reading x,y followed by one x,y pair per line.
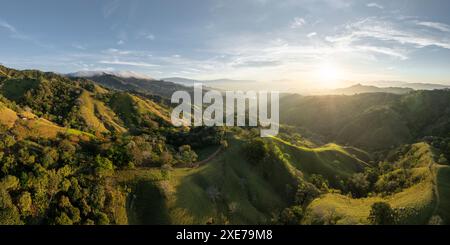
x,y
135,111
7,116
370,121
76,103
97,116
227,189
420,200
331,161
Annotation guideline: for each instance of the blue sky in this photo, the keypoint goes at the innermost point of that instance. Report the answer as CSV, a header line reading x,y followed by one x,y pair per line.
x,y
303,42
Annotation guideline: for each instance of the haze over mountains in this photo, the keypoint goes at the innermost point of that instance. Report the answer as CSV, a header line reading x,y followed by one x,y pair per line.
x,y
134,80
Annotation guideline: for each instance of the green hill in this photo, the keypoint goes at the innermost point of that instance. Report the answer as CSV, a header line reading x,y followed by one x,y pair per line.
x,y
331,161
372,121
421,201
227,189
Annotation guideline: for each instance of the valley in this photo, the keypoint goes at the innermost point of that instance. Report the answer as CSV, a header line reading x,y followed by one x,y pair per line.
x,y
102,150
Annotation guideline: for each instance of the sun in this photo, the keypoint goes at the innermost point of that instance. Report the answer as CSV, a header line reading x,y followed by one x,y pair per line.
x,y
328,75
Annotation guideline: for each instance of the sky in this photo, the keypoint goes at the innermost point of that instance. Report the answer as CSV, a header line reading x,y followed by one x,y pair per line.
x,y
289,43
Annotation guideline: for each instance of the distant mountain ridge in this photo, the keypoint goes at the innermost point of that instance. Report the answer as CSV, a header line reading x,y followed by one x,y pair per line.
x,y
160,88
415,86
123,74
360,89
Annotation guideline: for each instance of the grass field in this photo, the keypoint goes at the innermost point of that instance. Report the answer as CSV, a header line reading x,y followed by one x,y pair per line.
x,y
227,189
87,112
420,197
230,190
331,161
7,116
443,189
356,211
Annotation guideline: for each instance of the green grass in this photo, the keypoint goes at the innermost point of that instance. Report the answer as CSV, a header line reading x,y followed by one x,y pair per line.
x,y
87,113
443,188
356,211
420,197
251,194
123,105
7,116
246,194
331,161
239,183
205,152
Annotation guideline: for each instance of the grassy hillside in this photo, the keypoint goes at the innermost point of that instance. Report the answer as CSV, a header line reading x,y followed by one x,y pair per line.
x,y
331,161
8,117
392,119
443,190
227,189
138,112
420,201
87,113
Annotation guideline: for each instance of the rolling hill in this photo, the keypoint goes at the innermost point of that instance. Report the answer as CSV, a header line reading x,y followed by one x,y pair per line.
x,y
392,119
73,151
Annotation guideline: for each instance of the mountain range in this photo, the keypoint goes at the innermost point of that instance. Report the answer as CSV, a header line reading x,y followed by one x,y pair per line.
x,y
102,150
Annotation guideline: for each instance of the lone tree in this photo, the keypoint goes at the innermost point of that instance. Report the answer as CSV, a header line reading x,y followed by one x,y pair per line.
x,y
382,214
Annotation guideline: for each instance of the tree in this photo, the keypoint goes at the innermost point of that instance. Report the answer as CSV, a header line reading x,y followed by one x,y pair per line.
x,y
381,213
166,158
103,166
319,181
442,159
358,185
186,154
24,203
256,150
372,176
292,215
63,219
102,218
306,192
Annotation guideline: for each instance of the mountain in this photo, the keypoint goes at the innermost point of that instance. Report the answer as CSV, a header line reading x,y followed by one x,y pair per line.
x,y
360,89
148,86
415,86
191,82
374,120
75,152
122,74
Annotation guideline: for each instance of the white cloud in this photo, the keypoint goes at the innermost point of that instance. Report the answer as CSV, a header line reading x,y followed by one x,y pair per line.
x,y
386,32
7,26
79,46
375,5
298,22
120,42
145,35
110,8
16,34
150,37
383,50
127,63
435,25
312,34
